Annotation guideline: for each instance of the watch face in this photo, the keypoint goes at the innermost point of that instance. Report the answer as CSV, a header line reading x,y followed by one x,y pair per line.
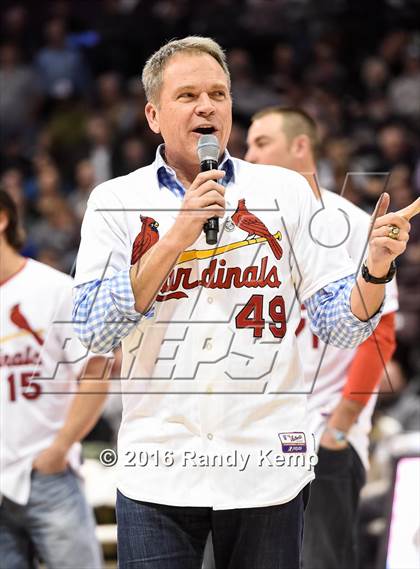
x,y
337,435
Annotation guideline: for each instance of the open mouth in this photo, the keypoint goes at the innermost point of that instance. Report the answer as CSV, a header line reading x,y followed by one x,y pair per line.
x,y
205,130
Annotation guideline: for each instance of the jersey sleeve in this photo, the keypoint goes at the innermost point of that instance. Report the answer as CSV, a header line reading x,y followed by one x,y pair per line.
x,y
104,313
66,353
319,255
104,247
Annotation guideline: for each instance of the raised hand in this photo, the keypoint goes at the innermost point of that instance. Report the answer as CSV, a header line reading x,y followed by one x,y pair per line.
x,y
389,235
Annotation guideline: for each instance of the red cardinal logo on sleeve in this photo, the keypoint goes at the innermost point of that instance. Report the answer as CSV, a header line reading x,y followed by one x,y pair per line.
x,y
20,321
147,237
250,223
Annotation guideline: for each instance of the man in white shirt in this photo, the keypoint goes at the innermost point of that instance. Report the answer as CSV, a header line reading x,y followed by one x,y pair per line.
x,y
341,383
214,434
44,413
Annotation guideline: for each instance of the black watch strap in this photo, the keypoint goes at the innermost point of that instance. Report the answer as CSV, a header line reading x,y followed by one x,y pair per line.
x,y
382,280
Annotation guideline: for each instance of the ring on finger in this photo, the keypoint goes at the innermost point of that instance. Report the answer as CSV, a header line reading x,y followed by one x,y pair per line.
x,y
393,232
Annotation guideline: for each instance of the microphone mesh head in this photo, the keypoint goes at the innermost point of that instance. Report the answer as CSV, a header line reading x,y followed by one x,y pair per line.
x,y
208,147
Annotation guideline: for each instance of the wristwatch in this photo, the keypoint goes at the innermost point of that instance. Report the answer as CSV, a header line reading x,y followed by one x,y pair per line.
x,y
379,280
340,437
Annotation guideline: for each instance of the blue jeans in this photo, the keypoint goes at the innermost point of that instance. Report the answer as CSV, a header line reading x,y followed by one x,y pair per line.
x,y
154,536
56,525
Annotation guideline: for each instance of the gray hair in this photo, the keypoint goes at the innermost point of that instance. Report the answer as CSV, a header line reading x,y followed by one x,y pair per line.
x,y
152,75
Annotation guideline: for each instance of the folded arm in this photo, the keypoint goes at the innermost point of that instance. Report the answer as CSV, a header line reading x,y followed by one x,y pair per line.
x,y
332,319
104,313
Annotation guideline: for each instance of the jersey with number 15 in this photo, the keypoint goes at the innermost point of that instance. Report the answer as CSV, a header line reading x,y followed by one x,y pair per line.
x,y
40,360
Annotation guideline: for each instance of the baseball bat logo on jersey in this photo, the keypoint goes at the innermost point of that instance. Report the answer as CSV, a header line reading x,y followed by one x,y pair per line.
x,y
242,218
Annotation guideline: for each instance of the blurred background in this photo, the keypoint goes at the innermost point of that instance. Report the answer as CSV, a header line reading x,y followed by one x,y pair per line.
x,y
71,114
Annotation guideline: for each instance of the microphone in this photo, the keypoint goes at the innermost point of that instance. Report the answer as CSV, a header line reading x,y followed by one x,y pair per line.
x,y
208,153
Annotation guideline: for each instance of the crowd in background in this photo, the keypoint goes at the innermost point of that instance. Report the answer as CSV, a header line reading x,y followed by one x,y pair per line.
x,y
71,105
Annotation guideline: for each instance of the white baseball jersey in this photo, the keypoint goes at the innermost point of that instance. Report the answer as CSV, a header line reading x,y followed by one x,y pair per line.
x,y
40,361
326,367
214,410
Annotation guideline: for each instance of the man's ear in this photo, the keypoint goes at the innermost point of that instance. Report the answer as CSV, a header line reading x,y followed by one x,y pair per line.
x,y
152,116
4,221
301,145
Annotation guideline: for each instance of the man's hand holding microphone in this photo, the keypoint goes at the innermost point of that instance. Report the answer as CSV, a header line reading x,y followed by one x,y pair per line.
x,y
204,201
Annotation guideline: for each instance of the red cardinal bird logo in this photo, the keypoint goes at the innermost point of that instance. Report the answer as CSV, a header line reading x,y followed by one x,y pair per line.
x,y
250,223
147,237
20,321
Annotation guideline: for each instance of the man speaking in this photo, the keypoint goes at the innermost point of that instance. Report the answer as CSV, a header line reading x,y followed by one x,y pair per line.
x,y
210,363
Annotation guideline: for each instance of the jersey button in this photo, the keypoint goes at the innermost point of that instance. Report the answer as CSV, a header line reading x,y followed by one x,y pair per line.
x,y
209,436
210,299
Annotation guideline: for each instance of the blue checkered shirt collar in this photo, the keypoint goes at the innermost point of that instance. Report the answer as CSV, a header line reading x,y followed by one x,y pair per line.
x,y
167,176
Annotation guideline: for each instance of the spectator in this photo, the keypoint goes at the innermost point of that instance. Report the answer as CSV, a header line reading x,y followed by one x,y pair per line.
x,y
249,96
16,28
283,67
325,70
85,182
98,134
394,145
374,76
56,231
404,91
114,107
133,155
19,93
61,70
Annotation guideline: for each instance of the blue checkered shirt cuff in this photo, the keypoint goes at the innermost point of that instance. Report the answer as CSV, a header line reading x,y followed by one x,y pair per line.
x,y
332,319
104,313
